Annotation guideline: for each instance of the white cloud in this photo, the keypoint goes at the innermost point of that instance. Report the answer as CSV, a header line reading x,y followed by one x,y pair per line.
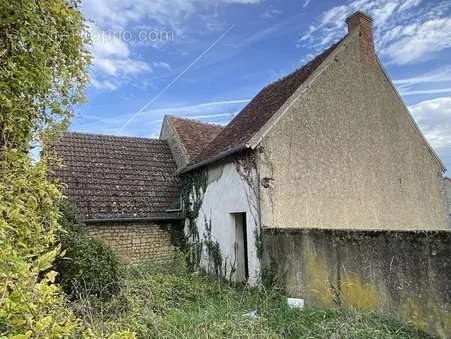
x,y
162,65
120,13
113,20
148,124
438,75
203,110
426,91
410,86
103,85
423,41
434,118
405,32
112,60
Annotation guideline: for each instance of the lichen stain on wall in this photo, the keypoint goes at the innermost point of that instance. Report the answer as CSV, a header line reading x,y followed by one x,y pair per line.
x,y
355,293
317,276
355,269
349,291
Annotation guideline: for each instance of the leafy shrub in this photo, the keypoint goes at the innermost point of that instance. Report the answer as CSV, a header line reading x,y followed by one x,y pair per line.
x,y
89,266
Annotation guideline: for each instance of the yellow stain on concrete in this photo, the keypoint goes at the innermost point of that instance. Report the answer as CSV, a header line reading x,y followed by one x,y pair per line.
x,y
357,294
354,292
318,283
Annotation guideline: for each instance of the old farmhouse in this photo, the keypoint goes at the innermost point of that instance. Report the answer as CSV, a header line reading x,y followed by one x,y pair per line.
x,y
325,156
331,145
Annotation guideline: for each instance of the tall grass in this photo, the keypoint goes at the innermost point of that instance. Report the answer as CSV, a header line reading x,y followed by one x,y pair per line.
x,y
165,301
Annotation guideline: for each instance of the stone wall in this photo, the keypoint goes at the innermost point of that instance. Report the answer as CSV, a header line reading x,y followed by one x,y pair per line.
x,y
137,241
404,274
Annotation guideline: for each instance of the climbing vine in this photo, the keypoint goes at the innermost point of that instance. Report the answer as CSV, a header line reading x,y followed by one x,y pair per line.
x,y
194,186
213,251
246,166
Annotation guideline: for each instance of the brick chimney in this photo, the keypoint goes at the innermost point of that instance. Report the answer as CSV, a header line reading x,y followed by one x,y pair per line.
x,y
364,23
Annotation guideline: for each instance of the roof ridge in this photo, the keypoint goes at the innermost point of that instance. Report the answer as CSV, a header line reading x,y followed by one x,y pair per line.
x,y
110,136
266,103
303,67
197,121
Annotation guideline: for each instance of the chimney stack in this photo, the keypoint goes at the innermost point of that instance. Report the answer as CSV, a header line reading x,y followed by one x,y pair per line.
x,y
364,23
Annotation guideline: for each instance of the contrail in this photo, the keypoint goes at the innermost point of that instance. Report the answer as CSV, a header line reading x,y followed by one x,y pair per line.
x,y
155,98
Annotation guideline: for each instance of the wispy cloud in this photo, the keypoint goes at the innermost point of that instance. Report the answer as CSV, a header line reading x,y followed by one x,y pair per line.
x,y
168,86
119,13
148,123
439,75
205,107
425,91
405,32
410,86
434,118
117,24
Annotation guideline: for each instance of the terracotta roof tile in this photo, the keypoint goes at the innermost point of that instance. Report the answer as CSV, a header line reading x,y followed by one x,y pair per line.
x,y
111,177
195,135
254,116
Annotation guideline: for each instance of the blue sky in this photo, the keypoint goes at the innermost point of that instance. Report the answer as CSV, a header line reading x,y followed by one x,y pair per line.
x,y
206,59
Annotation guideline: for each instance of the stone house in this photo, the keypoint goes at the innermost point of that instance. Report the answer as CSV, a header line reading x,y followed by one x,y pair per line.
x,y
330,146
124,191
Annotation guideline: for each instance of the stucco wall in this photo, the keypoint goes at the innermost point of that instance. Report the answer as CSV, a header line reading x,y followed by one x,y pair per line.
x,y
448,197
405,274
136,241
228,193
169,134
347,155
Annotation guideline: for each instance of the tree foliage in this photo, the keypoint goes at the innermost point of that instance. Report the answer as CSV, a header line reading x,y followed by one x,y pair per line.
x,y
43,69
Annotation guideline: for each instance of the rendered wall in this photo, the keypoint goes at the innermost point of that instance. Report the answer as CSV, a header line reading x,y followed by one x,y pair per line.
x,y
405,274
447,183
228,193
347,155
136,241
179,152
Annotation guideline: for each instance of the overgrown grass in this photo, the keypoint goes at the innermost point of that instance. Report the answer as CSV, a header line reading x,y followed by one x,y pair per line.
x,y
165,301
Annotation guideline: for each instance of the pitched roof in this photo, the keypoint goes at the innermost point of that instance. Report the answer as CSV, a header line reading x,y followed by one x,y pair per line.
x,y
255,115
194,135
111,177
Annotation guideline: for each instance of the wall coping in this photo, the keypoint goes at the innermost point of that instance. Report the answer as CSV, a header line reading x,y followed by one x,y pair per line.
x,y
350,231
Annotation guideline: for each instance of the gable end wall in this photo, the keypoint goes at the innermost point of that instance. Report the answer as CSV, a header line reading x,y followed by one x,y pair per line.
x,y
346,155
179,152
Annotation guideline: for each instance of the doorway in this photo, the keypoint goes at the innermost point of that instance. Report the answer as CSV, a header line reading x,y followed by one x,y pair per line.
x,y
241,247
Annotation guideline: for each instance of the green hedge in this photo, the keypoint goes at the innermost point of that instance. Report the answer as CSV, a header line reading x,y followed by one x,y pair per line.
x,y
88,266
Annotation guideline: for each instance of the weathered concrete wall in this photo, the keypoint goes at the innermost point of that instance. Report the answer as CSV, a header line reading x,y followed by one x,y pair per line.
x,y
346,154
179,152
447,183
228,193
136,241
403,273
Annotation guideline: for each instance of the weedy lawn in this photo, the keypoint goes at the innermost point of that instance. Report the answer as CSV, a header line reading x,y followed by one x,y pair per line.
x,y
165,301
